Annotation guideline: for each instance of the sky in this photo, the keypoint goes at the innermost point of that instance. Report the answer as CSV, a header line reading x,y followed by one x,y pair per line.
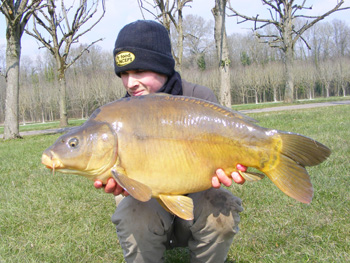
x,y
121,12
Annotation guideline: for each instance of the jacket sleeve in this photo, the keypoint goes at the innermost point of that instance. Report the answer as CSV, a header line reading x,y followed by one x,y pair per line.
x,y
198,91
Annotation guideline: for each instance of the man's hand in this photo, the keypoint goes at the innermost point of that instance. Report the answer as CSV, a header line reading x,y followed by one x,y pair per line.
x,y
111,187
222,178
217,180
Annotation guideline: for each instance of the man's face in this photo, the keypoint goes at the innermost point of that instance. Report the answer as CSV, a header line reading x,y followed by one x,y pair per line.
x,y
141,82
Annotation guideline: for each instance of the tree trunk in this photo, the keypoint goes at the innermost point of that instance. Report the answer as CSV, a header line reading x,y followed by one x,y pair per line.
x,y
63,100
42,113
274,94
13,54
342,85
288,73
180,40
61,77
327,87
310,93
287,31
225,88
222,51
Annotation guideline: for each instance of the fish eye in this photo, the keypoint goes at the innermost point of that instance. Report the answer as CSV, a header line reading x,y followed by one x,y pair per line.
x,y
73,142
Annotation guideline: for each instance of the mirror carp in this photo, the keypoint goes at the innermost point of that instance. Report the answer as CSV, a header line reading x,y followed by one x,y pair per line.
x,y
165,147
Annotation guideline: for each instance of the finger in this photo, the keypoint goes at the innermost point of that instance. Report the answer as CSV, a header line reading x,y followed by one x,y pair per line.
x,y
237,178
110,186
241,167
118,190
98,184
215,182
223,178
125,193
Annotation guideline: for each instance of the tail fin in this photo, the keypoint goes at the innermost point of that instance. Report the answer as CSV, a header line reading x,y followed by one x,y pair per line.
x,y
290,174
303,150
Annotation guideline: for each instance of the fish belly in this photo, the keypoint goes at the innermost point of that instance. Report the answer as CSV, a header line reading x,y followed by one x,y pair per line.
x,y
180,166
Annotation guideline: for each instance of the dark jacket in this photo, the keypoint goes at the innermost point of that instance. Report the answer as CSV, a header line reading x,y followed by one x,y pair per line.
x,y
198,91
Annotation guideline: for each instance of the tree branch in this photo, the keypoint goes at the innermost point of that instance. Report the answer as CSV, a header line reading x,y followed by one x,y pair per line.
x,y
319,18
279,22
82,52
69,31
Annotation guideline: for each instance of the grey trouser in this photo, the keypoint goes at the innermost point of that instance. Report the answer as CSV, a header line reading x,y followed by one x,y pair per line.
x,y
146,230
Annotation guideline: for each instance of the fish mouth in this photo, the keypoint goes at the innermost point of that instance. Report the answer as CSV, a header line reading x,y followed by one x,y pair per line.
x,y
49,160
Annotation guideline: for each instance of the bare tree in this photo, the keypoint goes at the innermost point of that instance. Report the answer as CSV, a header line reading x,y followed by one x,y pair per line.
x,y
62,34
222,51
283,16
170,13
341,35
325,72
273,75
17,14
198,40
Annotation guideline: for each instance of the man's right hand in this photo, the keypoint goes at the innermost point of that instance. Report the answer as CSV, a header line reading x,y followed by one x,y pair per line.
x,y
111,187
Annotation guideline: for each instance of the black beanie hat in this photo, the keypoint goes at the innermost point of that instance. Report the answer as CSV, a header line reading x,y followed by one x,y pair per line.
x,y
145,45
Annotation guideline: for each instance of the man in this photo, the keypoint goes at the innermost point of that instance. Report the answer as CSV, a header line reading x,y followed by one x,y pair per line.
x,y
144,62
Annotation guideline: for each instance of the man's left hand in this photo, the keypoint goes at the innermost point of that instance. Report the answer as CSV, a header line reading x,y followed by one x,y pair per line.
x,y
220,177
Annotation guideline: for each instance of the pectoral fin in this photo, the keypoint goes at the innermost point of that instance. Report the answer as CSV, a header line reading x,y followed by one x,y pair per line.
x,y
251,176
136,189
180,205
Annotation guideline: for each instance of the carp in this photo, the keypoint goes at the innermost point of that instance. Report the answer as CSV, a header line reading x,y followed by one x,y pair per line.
x,y
165,147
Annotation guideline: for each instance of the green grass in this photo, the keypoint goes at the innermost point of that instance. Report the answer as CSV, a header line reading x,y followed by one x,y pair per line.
x,y
251,106
44,126
63,218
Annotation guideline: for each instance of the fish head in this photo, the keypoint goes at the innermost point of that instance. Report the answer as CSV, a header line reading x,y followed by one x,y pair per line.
x,y
88,150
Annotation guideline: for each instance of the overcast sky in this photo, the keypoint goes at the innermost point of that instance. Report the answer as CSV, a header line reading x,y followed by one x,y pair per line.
x,y
122,12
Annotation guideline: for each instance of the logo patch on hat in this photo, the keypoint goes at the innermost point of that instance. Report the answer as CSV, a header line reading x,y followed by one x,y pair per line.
x,y
124,58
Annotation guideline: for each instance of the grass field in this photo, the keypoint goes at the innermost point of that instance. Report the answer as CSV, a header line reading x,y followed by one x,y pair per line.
x,y
45,126
63,218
